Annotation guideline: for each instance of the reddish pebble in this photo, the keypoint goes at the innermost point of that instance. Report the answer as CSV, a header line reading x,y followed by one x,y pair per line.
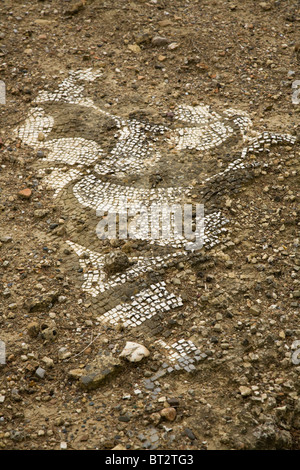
x,y
25,193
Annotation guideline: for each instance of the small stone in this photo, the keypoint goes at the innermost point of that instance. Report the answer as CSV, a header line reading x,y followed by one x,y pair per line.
x,y
40,372
101,369
33,329
124,419
41,137
49,334
168,413
173,402
189,433
134,352
134,48
245,391
2,92
159,41
75,374
48,362
115,262
40,213
254,310
119,447
75,8
25,193
63,354
265,6
173,46
5,239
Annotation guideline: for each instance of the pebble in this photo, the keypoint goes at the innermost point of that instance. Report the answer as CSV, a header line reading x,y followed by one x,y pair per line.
x,y
265,6
63,354
5,238
25,193
173,46
245,391
134,352
159,41
189,433
40,372
134,48
48,362
75,374
49,334
99,370
168,413
33,329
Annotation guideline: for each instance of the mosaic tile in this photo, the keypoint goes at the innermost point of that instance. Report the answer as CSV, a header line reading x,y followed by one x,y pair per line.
x,y
143,306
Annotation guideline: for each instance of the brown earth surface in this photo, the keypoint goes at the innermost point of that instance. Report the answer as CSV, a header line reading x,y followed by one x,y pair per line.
x,y
240,298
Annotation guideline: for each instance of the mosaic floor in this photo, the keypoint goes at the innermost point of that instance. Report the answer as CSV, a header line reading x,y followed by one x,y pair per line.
x,y
95,174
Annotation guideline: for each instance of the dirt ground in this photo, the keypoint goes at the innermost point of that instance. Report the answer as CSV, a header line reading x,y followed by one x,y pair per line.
x,y
240,297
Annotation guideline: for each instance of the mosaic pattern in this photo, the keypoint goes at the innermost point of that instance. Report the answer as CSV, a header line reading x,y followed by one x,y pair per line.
x,y
85,166
182,354
256,145
96,194
144,306
59,178
132,152
97,281
204,128
69,91
37,124
73,151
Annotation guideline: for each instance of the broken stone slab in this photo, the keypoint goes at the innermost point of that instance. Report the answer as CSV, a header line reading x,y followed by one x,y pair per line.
x,y
99,371
134,352
43,302
116,262
75,374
